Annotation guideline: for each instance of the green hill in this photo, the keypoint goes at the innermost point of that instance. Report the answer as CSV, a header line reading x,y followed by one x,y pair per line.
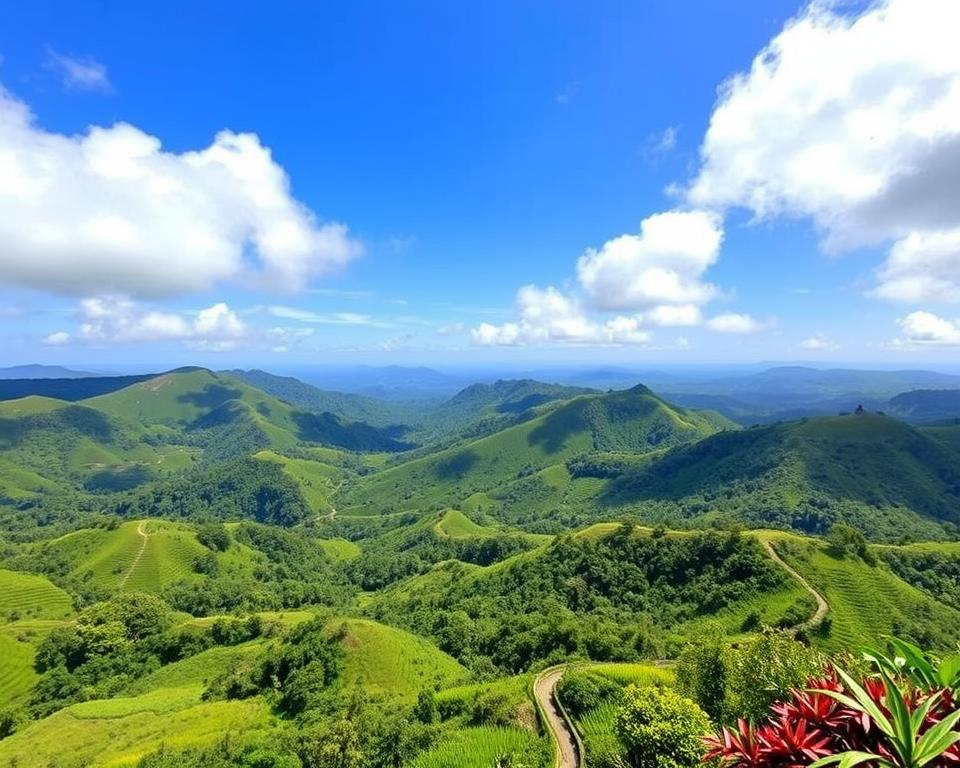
x,y
237,417
481,409
926,406
346,406
45,444
875,472
634,420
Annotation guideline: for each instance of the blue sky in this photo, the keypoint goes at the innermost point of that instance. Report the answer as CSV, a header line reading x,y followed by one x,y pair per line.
x,y
422,182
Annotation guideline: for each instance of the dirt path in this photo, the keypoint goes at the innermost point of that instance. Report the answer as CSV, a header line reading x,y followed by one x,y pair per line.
x,y
544,687
142,530
822,605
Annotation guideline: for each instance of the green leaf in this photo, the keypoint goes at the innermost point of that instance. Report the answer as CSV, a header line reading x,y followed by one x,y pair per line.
x,y
916,661
948,673
866,704
938,739
904,736
850,759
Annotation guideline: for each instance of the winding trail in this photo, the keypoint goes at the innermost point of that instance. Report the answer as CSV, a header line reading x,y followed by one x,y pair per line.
x,y
823,606
142,530
544,689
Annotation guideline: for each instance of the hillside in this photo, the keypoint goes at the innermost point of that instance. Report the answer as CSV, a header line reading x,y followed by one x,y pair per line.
x,y
344,405
69,388
634,420
481,408
43,372
875,472
927,406
198,399
46,443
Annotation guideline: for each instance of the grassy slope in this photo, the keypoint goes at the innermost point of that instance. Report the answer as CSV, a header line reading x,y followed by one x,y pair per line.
x,y
390,663
879,473
632,420
867,602
118,732
317,481
113,559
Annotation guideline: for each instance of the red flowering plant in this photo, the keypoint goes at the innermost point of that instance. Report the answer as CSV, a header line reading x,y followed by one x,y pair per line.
x,y
894,719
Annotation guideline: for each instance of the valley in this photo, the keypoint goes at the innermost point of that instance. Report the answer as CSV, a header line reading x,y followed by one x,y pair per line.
x,y
195,568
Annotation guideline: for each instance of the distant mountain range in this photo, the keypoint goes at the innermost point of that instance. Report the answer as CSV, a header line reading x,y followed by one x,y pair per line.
x,y
43,372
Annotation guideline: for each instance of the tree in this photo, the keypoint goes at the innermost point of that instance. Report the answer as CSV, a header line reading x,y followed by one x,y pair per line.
x,y
702,672
660,728
845,540
214,536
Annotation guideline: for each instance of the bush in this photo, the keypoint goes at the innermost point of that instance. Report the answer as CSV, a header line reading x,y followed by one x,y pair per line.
x,y
214,536
582,691
659,728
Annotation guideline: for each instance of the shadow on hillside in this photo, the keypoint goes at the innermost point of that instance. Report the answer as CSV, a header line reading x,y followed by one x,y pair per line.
x,y
457,466
75,418
211,396
524,404
123,479
557,427
327,429
725,460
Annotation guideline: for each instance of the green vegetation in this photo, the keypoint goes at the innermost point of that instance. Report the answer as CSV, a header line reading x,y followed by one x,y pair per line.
x,y
200,572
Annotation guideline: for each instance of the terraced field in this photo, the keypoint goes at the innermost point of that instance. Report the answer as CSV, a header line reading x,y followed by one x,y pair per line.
x,y
27,596
866,602
391,663
126,559
17,675
118,732
480,747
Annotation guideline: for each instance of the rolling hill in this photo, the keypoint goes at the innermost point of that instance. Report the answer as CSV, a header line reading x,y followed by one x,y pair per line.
x,y
634,420
883,476
200,400
926,406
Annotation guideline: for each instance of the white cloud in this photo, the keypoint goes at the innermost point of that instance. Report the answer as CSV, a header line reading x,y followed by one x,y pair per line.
x,y
925,328
109,321
673,315
733,322
547,315
109,211
309,316
84,73
818,342
57,338
662,265
923,266
660,143
855,123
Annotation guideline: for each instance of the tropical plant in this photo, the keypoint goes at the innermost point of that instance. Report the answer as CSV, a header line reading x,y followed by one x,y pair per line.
x,y
923,670
888,721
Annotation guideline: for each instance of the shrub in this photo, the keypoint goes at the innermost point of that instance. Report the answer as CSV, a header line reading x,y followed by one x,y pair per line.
x,y
214,536
583,691
659,728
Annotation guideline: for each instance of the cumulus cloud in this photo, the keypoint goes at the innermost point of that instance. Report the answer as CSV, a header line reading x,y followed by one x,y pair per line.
x,y
83,73
733,322
855,123
547,315
654,278
110,212
103,321
663,265
925,328
57,338
818,342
